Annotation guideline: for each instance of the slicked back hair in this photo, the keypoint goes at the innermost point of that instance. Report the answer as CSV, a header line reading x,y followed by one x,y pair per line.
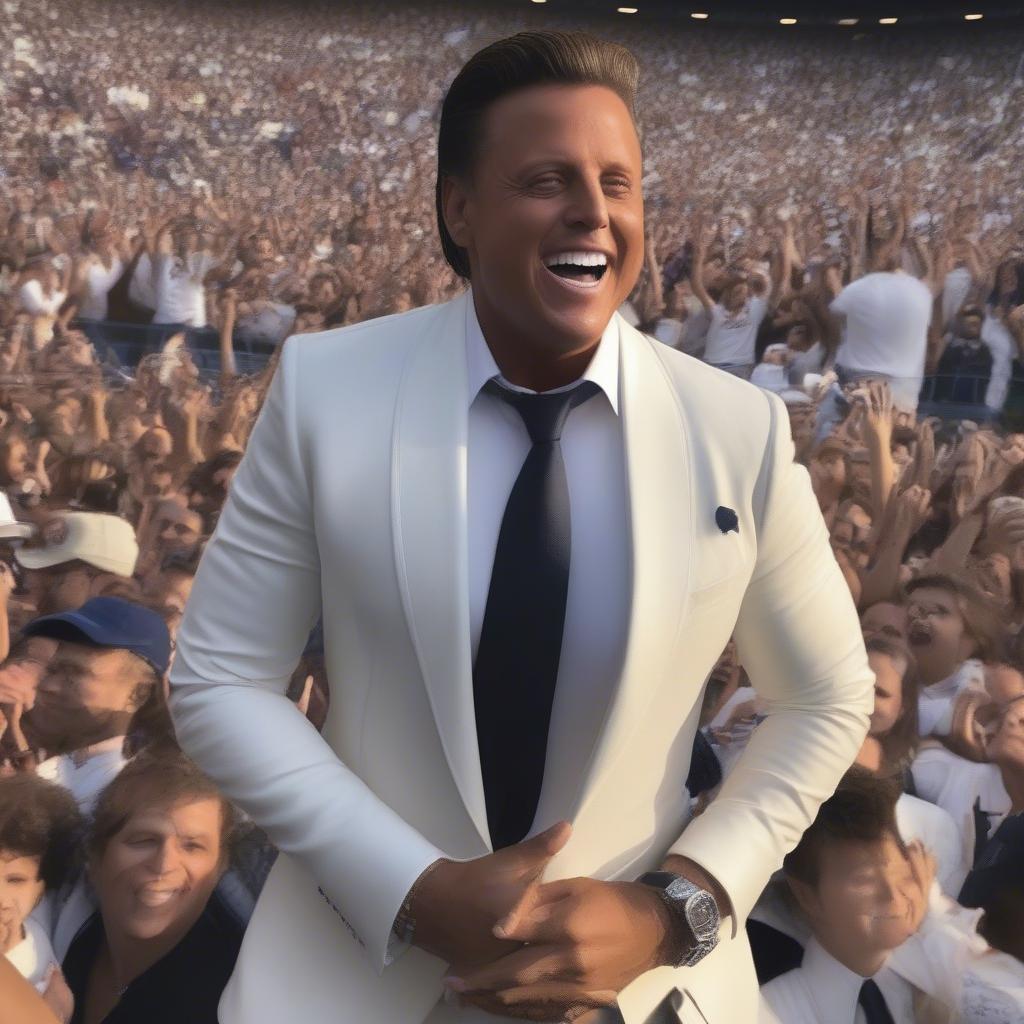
x,y
509,65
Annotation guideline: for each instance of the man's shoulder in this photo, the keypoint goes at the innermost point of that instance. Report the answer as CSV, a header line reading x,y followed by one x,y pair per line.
x,y
711,397
381,340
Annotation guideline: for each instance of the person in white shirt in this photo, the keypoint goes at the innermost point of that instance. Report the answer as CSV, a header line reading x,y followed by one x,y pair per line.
x,y
863,893
973,362
104,678
181,271
882,943
735,319
43,294
772,372
886,316
950,632
40,827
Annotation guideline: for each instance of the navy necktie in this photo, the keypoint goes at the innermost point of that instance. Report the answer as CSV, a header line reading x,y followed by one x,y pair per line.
x,y
520,645
875,1009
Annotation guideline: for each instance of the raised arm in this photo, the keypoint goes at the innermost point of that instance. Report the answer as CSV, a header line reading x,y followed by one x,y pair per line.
x,y
697,269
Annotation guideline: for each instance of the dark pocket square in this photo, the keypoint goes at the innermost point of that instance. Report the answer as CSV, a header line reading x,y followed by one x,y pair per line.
x,y
726,519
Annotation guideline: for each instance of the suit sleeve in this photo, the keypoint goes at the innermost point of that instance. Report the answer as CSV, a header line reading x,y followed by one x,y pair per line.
x,y
255,599
799,639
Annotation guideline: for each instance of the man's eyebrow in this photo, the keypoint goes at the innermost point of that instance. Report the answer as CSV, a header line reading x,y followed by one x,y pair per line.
x,y
558,160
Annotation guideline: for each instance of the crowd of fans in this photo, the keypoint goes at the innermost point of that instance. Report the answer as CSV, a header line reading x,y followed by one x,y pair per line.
x,y
834,222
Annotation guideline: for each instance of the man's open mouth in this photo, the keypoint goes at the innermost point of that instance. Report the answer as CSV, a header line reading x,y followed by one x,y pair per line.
x,y
580,268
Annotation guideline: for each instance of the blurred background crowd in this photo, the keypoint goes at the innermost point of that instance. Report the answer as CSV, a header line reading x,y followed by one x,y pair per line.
x,y
836,219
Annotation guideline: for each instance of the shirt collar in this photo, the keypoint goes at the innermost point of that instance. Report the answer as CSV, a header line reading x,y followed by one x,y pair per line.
x,y
832,985
603,368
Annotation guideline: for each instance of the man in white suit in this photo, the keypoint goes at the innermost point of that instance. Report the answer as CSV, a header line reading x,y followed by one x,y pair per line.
x,y
530,531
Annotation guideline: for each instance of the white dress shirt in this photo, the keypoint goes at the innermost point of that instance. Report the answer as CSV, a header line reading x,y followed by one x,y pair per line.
x,y
822,991
597,603
954,784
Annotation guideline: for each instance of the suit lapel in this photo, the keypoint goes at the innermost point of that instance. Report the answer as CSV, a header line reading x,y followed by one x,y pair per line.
x,y
659,479
428,509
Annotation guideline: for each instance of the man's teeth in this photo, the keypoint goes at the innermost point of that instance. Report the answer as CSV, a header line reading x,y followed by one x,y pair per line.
x,y
579,259
157,897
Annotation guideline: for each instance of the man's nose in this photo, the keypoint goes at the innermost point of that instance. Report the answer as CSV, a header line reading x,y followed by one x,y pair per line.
x,y
589,205
164,858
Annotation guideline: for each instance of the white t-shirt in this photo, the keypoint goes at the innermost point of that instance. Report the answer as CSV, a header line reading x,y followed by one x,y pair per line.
x,y
732,337
98,282
770,376
272,322
1001,344
954,290
33,955
36,302
180,295
86,773
142,288
695,329
887,317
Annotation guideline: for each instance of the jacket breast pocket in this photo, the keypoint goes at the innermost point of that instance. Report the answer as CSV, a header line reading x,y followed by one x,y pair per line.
x,y
719,565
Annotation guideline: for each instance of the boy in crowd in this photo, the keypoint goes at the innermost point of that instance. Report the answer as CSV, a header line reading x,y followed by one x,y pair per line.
x,y
39,831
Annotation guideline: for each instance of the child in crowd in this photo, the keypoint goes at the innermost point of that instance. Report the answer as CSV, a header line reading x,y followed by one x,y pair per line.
x,y
40,830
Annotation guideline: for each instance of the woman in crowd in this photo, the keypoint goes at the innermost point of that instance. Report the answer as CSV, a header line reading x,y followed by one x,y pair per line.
x,y
161,947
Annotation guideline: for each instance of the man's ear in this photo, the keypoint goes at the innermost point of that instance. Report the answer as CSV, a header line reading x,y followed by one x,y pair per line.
x,y
454,200
806,897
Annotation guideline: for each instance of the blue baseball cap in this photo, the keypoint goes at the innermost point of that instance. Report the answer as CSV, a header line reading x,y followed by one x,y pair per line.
x,y
110,622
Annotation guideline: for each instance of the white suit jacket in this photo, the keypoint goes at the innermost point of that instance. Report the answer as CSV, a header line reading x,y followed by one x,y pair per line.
x,y
351,500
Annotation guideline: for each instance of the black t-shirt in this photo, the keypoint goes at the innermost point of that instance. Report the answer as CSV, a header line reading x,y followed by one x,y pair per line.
x,y
184,987
963,373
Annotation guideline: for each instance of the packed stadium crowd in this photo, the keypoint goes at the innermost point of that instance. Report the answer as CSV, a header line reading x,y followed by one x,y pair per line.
x,y
835,223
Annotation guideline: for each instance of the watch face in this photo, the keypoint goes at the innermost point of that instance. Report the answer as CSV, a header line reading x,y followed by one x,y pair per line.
x,y
702,913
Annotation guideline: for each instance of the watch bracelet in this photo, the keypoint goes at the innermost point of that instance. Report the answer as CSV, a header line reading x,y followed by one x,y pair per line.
x,y
679,942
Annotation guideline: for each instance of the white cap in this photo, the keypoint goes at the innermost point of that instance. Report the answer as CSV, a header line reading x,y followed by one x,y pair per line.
x,y
105,541
10,528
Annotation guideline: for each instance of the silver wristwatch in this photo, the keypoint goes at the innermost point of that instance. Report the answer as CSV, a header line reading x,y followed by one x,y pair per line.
x,y
692,908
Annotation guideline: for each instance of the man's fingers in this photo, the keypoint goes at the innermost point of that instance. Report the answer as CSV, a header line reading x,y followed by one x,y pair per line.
x,y
530,965
539,921
539,849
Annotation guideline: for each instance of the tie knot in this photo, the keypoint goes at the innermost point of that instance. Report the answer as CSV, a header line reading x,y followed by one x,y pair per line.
x,y
876,1010
544,414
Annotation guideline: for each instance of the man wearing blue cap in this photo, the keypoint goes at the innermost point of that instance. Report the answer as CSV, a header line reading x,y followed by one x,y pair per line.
x,y
109,666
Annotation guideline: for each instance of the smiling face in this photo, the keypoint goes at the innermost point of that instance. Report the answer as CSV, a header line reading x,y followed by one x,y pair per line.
x,y
859,906
157,873
558,175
